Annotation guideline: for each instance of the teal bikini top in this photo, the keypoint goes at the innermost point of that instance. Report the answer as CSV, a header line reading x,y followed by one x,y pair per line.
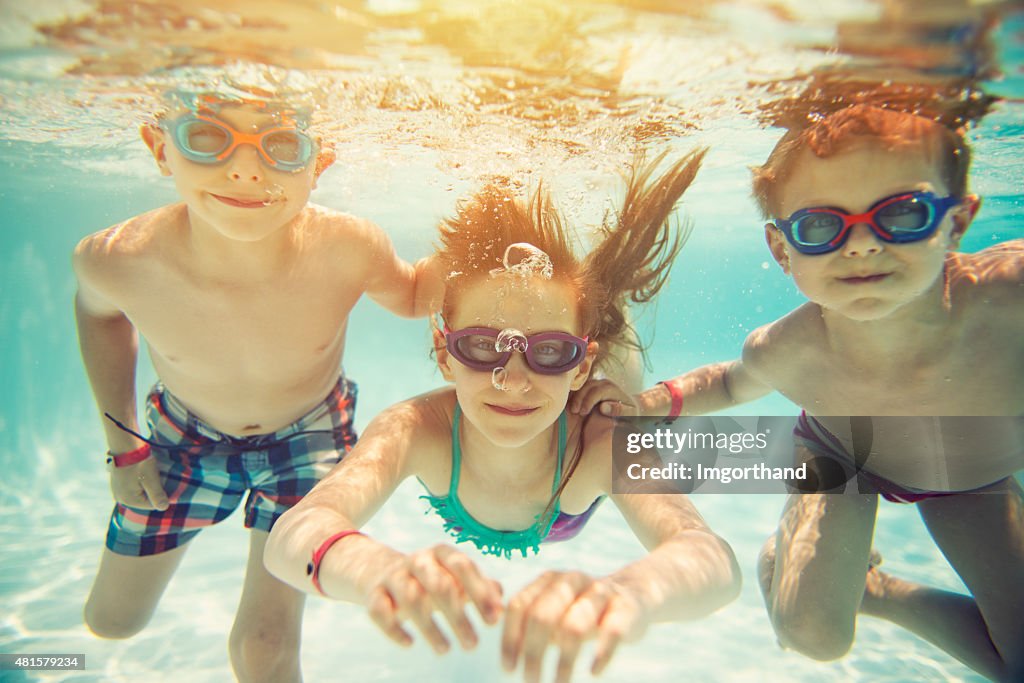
x,y
463,527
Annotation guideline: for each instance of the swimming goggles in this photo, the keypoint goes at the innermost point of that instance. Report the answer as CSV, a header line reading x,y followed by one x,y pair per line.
x,y
207,140
901,218
485,349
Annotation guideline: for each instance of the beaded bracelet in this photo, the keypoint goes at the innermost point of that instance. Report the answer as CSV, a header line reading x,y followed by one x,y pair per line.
x,y
313,568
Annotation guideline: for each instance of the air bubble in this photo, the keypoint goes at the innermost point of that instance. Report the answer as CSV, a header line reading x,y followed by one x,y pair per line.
x,y
523,259
510,339
498,377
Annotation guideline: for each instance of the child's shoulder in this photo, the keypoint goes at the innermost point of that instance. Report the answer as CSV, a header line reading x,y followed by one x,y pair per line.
x,y
332,229
994,275
338,225
132,241
779,343
436,408
999,264
427,422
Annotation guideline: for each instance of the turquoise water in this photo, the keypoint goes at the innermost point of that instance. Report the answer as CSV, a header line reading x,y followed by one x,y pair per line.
x,y
64,178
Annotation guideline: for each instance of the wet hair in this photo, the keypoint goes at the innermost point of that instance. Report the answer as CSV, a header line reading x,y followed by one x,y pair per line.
x,y
838,132
291,106
630,263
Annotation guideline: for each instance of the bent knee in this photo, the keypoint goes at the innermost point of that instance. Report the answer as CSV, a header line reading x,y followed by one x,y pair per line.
x,y
812,638
114,624
766,567
264,653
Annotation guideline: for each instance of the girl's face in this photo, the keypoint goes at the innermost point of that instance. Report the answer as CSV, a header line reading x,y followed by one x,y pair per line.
x,y
525,403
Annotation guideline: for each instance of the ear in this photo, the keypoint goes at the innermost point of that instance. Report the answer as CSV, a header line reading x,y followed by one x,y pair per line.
x,y
963,213
583,369
154,138
324,160
443,357
777,245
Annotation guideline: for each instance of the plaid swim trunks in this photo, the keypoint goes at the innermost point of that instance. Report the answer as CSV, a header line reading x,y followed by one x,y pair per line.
x,y
206,473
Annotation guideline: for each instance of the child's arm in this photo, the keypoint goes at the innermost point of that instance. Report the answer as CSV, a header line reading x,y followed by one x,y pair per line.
x,y
393,586
704,390
109,346
411,291
688,573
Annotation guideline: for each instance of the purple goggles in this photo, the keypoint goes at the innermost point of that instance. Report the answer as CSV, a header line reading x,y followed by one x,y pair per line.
x,y
485,348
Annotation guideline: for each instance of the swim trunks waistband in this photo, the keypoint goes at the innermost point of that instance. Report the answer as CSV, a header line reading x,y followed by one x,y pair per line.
x,y
813,435
173,408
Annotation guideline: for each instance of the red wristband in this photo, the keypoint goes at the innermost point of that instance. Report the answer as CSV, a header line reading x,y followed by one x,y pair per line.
x,y
131,457
676,408
313,568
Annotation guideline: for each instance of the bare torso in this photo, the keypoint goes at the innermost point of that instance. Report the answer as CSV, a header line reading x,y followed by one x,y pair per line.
x,y
964,358
249,346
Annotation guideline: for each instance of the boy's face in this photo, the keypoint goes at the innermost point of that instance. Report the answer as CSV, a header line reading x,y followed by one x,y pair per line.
x,y
241,197
866,278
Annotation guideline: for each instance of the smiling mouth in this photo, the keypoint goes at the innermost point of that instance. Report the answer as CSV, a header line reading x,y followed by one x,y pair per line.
x,y
510,411
864,279
243,203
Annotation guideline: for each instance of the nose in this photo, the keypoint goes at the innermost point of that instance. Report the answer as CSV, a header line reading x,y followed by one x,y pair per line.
x,y
245,165
862,241
517,374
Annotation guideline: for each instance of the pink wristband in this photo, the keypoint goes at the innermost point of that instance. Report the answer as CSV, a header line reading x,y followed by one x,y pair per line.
x,y
313,568
131,457
676,408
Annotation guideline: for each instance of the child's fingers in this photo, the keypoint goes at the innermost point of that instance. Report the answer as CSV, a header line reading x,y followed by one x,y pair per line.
x,y
619,620
579,624
567,660
515,621
545,625
445,592
128,488
612,408
539,611
415,603
384,613
576,401
592,393
484,593
149,480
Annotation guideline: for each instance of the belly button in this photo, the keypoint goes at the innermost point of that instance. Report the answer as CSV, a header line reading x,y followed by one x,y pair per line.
x,y
249,428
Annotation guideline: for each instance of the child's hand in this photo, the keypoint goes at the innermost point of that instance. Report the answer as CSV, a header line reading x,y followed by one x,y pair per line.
x,y
139,486
439,578
606,395
564,610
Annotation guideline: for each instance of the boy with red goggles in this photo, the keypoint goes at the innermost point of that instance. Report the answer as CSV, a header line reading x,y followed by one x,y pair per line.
x,y
867,206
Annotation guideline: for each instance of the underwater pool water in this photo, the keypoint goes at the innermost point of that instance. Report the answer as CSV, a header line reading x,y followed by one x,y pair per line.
x,y
71,164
